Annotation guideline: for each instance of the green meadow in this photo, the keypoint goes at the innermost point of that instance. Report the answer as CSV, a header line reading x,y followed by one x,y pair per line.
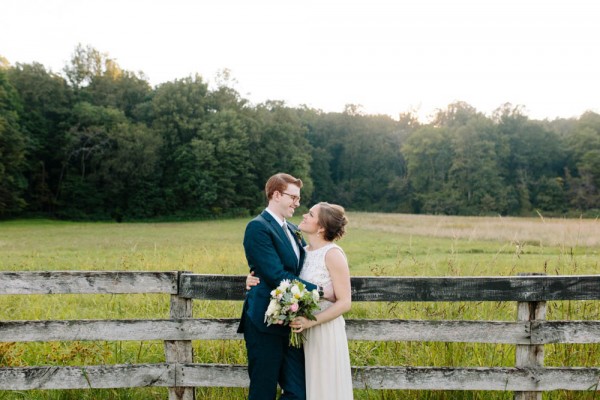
x,y
376,245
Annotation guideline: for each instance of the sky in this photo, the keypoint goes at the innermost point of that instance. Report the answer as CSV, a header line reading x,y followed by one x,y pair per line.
x,y
386,56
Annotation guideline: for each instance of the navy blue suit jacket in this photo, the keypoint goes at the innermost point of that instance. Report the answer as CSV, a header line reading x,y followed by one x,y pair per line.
x,y
272,258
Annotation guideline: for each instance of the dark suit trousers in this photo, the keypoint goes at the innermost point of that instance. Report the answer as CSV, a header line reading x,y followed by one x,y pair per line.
x,y
271,361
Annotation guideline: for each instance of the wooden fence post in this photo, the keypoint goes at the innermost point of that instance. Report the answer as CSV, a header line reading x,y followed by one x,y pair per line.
x,y
180,351
530,355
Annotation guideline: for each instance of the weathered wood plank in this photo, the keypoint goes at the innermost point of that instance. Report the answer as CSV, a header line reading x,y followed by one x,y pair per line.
x,y
87,282
530,356
544,332
180,351
439,331
86,377
503,379
407,288
376,330
212,287
535,332
219,375
161,329
214,375
421,378
516,288
231,287
211,329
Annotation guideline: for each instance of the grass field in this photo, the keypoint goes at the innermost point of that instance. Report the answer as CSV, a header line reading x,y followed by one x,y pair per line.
x,y
376,244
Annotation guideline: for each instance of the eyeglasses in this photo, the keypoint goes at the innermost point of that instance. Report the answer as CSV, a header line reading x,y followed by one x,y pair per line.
x,y
293,197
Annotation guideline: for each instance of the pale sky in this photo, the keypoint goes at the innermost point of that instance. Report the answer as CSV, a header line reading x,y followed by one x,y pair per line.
x,y
389,56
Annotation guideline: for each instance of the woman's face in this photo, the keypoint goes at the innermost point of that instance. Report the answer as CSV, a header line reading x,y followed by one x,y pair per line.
x,y
310,220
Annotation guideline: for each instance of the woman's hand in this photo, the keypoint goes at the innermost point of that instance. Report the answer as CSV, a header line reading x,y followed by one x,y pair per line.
x,y
300,324
251,280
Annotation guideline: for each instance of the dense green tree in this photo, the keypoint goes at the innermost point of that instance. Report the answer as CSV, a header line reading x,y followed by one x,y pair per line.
x,y
457,114
224,96
584,150
12,150
233,181
125,91
99,80
214,168
130,172
207,168
81,190
178,111
86,63
100,142
474,179
113,163
428,154
370,159
46,101
551,194
277,143
357,160
530,153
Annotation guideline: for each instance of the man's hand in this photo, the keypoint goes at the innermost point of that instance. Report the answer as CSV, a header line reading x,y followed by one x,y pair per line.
x,y
251,280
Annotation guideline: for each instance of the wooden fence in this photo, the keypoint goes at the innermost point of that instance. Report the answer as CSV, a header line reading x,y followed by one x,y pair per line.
x,y
529,332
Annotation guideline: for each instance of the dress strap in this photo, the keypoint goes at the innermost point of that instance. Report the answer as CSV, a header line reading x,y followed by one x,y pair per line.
x,y
334,246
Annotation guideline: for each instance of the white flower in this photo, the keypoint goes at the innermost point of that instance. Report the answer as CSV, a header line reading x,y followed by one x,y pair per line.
x,y
284,285
315,294
273,308
295,290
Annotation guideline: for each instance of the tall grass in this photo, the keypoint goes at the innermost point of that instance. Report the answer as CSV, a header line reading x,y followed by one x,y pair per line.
x,y
376,244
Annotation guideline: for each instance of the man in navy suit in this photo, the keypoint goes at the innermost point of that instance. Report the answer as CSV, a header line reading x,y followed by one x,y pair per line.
x,y
274,253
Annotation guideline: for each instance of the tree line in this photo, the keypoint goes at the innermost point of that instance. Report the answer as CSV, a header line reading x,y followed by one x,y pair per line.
x,y
98,142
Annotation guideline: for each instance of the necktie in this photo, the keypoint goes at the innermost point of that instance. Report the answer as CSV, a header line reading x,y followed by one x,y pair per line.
x,y
292,241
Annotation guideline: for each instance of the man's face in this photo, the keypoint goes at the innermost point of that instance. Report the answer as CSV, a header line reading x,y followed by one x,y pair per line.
x,y
287,201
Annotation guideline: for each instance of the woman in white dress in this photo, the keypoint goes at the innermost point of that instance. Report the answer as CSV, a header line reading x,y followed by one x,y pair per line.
x,y
327,361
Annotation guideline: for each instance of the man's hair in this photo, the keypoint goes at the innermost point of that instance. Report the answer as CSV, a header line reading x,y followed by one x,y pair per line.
x,y
279,183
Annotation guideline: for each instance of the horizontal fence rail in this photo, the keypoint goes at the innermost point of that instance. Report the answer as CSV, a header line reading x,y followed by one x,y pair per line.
x,y
231,287
408,288
88,282
525,332
227,375
87,377
529,333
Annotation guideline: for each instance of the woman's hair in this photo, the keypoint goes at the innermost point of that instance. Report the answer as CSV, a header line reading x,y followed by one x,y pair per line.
x,y
279,183
332,218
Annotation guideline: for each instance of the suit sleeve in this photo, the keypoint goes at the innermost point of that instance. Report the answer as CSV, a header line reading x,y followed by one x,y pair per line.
x,y
263,257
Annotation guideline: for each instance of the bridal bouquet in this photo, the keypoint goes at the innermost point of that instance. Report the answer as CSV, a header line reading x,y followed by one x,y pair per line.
x,y
290,300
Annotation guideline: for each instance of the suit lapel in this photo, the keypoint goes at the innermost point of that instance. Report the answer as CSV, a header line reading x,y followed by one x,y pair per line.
x,y
300,247
279,229
302,255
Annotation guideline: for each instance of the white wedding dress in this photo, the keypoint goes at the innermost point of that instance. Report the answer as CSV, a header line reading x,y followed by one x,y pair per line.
x,y
328,374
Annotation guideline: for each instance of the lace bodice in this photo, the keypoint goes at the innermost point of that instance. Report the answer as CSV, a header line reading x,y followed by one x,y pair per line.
x,y
315,271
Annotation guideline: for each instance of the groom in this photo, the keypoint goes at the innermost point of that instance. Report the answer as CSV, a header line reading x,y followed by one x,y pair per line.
x,y
274,252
